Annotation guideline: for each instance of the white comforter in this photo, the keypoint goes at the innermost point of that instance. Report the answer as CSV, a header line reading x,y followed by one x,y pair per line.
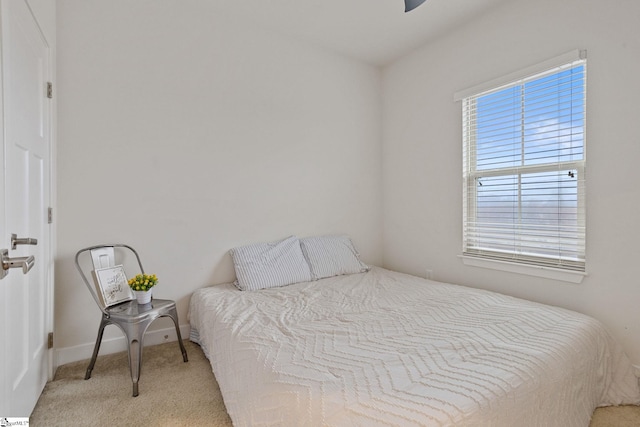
x,y
387,349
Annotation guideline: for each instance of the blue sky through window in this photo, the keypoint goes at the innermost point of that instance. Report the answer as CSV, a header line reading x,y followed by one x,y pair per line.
x,y
536,122
527,130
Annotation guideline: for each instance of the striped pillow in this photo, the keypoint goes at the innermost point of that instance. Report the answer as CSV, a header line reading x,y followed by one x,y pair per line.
x,y
268,265
331,256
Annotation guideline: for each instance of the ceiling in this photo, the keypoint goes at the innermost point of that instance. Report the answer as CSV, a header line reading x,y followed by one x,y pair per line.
x,y
375,31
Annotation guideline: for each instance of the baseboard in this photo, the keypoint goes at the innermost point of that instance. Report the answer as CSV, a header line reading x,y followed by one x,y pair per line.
x,y
115,345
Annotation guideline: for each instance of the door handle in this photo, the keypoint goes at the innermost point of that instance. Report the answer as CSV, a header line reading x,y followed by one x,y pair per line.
x,y
15,241
24,262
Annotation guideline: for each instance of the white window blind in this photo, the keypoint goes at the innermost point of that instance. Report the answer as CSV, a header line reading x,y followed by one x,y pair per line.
x,y
524,169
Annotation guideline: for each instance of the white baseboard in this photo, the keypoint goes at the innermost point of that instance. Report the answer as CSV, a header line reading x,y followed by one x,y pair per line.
x,y
115,345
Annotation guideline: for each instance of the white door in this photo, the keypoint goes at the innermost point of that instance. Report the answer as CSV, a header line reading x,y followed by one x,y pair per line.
x,y
26,298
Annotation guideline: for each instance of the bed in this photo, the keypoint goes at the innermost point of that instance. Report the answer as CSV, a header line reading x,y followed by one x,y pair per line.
x,y
382,348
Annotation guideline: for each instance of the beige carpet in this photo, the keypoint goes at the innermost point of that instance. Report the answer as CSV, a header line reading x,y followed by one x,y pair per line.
x,y
172,393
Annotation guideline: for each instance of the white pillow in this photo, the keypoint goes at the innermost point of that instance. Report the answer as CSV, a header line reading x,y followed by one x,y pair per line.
x,y
268,265
331,256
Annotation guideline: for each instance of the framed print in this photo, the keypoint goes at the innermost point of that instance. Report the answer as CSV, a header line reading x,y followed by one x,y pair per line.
x,y
112,285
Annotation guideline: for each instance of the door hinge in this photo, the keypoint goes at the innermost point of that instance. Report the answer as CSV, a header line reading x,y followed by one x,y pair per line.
x,y
49,90
50,340
49,215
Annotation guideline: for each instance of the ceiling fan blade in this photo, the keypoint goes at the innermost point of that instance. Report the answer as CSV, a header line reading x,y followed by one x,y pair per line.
x,y
412,4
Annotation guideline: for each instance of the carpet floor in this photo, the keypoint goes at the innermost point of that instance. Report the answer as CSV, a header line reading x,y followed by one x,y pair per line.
x,y
172,393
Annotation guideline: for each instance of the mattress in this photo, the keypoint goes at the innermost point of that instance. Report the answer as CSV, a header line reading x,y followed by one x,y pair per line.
x,y
383,348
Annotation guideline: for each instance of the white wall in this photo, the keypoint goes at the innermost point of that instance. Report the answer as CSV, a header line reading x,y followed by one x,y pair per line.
x,y
185,133
423,163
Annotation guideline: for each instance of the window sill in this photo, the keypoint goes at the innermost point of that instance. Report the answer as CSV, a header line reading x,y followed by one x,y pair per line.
x,y
529,270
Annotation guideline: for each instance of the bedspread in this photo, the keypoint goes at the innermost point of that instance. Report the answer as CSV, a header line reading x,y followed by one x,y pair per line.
x,y
387,349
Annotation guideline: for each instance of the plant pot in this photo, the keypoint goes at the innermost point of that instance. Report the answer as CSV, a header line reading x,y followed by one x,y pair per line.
x,y
143,297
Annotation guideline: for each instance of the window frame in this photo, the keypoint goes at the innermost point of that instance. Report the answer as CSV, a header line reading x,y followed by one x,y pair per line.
x,y
572,270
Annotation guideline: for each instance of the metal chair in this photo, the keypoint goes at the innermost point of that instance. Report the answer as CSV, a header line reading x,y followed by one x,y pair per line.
x,y
132,318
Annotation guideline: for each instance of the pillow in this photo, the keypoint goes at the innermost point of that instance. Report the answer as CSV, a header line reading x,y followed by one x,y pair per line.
x,y
331,256
269,265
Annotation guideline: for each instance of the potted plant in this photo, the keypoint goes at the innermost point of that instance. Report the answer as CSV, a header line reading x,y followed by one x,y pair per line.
x,y
141,286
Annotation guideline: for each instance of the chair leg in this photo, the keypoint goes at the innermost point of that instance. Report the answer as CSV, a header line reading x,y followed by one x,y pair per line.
x,y
174,316
182,349
96,348
135,362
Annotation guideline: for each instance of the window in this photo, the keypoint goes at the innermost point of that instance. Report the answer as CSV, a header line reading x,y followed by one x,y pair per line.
x,y
524,168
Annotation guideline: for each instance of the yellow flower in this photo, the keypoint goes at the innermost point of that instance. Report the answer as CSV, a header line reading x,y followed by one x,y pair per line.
x,y
143,282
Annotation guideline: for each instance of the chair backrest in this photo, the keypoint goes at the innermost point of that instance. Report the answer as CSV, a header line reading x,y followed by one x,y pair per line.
x,y
105,255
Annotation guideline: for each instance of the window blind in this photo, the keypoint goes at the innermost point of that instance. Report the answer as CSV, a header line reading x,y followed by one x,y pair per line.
x,y
524,169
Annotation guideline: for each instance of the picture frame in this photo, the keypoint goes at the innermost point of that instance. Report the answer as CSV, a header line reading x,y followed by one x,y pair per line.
x,y
112,285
